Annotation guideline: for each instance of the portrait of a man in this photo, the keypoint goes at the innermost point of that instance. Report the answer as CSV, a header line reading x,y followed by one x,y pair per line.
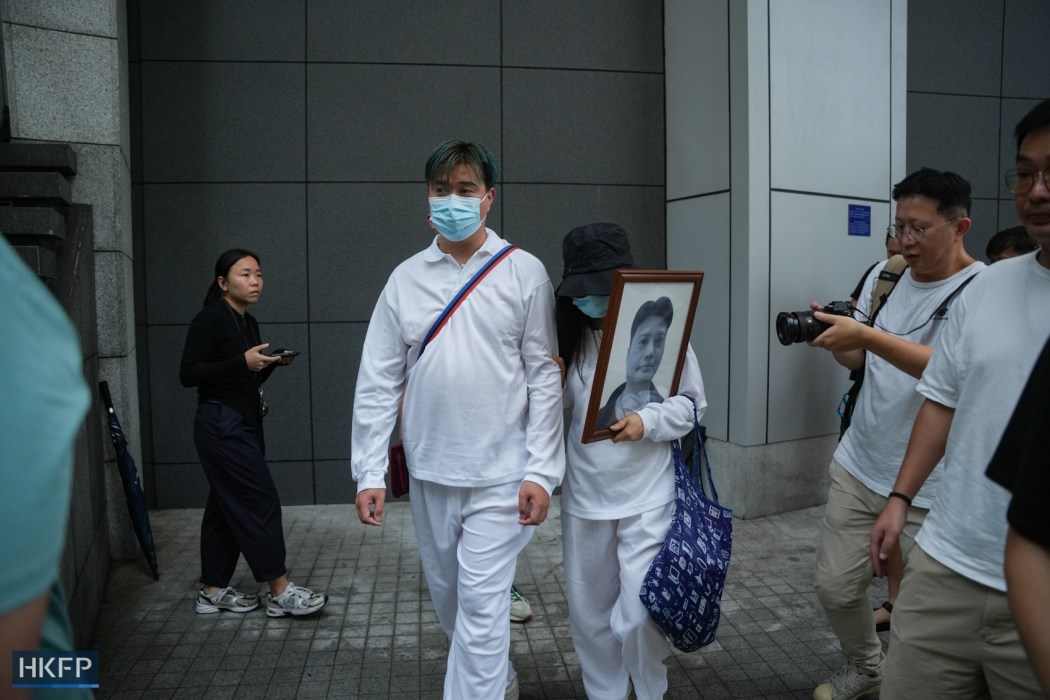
x,y
644,354
643,345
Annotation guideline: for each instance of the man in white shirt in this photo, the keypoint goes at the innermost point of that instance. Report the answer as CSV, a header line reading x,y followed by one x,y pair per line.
x,y
953,635
481,415
930,222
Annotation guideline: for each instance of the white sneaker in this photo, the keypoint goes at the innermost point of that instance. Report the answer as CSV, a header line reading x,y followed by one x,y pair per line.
x,y
512,690
225,599
520,610
848,683
295,600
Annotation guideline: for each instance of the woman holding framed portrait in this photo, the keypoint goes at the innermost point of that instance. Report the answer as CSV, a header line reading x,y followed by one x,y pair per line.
x,y
618,494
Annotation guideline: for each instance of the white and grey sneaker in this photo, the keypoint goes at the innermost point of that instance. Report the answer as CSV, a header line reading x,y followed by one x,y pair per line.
x,y
295,600
848,683
512,692
225,599
520,610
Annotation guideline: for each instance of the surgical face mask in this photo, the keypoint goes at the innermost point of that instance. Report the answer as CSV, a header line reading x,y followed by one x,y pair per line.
x,y
593,306
456,217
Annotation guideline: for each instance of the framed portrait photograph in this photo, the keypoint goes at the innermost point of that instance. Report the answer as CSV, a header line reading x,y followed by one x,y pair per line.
x,y
643,347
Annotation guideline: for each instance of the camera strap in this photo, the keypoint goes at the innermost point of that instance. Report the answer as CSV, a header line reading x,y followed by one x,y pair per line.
x,y
888,278
883,286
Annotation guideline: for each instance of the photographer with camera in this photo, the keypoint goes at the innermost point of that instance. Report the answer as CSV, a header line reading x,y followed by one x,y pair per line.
x,y
931,220
954,635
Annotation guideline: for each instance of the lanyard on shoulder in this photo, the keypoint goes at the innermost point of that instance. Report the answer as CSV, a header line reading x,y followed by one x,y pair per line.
x,y
457,300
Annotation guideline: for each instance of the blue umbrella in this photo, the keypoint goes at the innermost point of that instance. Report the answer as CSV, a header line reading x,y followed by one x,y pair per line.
x,y
129,474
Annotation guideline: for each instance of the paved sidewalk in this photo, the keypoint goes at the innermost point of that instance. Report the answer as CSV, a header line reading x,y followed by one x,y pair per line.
x,y
378,638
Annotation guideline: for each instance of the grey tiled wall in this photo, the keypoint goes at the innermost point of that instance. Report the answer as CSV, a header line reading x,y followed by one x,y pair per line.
x,y
299,129
974,68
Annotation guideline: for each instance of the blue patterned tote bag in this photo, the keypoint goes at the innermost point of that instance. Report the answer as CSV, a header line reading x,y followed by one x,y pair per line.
x,y
683,588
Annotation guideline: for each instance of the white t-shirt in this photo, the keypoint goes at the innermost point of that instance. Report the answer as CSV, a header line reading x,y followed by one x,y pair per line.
x,y
483,404
608,481
874,445
979,367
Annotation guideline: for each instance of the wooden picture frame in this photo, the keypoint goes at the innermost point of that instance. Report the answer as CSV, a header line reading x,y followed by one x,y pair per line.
x,y
631,291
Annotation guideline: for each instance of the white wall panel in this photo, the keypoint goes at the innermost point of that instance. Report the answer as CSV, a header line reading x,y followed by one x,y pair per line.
x,y
829,67
698,239
696,48
814,259
898,93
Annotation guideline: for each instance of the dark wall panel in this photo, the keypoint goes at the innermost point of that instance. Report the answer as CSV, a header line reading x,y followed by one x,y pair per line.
x,y
958,133
380,122
171,404
583,126
188,226
231,30
974,67
337,350
409,31
226,122
1026,52
333,481
624,35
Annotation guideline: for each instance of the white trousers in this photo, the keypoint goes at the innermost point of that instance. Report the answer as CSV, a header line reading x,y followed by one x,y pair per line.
x,y
615,639
469,540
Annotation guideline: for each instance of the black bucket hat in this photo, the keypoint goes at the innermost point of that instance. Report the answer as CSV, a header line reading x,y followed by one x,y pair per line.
x,y
591,254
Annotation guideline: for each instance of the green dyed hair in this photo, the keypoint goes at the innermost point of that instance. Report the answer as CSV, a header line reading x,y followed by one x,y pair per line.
x,y
444,159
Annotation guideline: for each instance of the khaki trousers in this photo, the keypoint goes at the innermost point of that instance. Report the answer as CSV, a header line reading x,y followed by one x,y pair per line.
x,y
953,639
844,569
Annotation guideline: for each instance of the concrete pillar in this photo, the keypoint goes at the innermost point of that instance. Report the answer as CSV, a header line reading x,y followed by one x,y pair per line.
x,y
67,81
784,116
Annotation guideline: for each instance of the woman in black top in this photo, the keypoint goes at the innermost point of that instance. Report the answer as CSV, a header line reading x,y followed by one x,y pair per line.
x,y
223,357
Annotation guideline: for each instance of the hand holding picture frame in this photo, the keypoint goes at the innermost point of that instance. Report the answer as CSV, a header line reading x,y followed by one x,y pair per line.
x,y
644,343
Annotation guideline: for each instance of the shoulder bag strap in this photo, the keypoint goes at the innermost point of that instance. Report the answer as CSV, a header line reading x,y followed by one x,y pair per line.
x,y
698,458
443,317
474,281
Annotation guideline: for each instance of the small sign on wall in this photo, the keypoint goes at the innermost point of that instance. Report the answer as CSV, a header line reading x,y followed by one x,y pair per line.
x,y
859,220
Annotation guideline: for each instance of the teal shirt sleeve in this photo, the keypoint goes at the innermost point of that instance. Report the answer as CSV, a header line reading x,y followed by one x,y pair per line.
x,y
43,400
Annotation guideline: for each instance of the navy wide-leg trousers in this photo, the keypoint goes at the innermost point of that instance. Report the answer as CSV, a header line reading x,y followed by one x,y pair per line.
x,y
243,513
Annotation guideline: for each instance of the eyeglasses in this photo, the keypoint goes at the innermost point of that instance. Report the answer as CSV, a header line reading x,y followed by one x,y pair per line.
x,y
1021,181
913,232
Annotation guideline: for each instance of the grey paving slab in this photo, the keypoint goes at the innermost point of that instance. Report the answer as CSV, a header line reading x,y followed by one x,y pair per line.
x,y
379,638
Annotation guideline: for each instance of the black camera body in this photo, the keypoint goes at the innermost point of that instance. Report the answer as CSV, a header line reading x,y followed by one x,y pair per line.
x,y
801,327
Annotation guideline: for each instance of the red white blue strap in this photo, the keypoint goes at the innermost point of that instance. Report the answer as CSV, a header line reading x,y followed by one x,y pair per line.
x,y
462,294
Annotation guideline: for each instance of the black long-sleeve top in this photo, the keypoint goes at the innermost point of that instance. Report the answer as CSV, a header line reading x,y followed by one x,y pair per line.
x,y
213,359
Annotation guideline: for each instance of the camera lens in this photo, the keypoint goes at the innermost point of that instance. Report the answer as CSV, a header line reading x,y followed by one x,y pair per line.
x,y
788,327
798,327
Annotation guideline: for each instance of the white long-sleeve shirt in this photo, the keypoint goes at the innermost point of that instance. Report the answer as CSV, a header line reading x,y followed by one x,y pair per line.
x,y
482,405
609,480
